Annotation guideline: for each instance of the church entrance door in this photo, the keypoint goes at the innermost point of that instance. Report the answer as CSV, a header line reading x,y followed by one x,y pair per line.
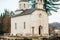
x,y
40,29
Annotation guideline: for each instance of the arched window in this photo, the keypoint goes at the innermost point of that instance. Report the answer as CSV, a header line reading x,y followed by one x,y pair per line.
x,y
24,5
32,30
40,27
40,15
24,25
15,25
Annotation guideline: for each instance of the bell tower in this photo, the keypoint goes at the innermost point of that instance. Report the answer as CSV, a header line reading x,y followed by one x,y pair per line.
x,y
39,4
31,4
23,4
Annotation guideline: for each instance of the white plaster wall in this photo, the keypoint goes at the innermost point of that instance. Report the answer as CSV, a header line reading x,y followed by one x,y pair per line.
x,y
44,23
32,20
20,24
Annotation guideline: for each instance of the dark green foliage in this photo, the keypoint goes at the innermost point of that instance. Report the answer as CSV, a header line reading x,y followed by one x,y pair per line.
x,y
50,5
6,12
55,0
31,3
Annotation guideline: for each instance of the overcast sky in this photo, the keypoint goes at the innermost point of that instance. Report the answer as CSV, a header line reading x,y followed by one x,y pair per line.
x,y
13,5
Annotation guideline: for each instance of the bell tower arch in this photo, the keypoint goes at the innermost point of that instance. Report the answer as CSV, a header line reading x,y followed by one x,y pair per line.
x,y
39,4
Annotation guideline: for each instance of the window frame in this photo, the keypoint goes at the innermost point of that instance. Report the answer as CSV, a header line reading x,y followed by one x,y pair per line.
x,y
15,25
24,5
24,25
40,15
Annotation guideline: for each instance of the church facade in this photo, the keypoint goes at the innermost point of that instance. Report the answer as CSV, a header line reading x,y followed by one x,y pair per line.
x,y
30,19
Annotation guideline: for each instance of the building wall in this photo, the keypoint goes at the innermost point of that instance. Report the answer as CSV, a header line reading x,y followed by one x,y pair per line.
x,y
39,4
22,4
35,19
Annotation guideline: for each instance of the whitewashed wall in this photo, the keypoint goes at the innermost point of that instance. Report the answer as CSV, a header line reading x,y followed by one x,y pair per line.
x,y
21,5
31,20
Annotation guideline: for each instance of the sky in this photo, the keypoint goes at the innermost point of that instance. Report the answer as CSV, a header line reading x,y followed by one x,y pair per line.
x,y
12,5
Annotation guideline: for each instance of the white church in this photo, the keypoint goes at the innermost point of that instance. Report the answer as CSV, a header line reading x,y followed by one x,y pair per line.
x,y
30,19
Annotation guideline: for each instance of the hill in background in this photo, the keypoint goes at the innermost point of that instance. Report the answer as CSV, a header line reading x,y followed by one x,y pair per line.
x,y
55,24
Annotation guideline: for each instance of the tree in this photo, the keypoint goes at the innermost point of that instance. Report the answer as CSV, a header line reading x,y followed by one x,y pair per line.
x,y
1,24
6,12
11,13
6,20
55,0
50,5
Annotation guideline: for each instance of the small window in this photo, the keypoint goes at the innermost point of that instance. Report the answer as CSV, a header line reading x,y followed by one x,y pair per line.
x,y
40,27
15,25
33,30
24,5
24,25
40,15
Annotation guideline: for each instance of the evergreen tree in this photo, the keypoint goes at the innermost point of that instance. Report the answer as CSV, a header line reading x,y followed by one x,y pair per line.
x,y
51,5
5,21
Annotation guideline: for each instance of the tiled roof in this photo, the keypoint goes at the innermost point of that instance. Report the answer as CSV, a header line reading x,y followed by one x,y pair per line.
x,y
25,12
19,10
